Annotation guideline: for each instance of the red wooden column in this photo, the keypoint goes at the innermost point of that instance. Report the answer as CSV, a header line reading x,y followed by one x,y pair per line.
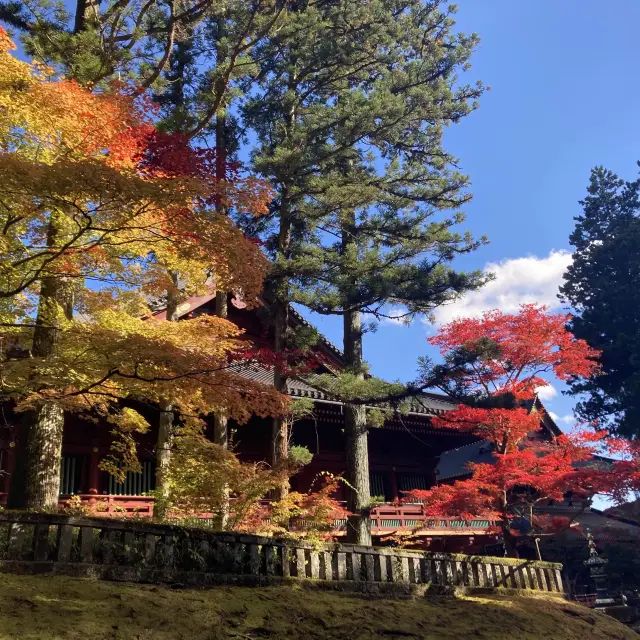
x,y
94,472
393,484
9,467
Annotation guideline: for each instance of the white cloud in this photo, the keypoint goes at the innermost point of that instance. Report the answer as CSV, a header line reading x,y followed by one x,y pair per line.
x,y
547,392
517,281
568,419
396,316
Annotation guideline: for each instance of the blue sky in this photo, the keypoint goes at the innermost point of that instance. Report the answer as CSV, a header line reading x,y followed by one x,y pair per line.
x,y
564,98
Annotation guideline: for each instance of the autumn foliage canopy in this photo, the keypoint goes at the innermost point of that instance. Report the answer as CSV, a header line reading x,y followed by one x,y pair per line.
x,y
532,464
97,210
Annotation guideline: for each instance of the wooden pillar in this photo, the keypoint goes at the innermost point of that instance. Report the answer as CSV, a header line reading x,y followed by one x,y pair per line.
x,y
393,484
10,465
94,472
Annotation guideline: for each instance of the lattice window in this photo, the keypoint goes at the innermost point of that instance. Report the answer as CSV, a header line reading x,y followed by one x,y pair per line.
x,y
377,485
135,484
411,481
70,474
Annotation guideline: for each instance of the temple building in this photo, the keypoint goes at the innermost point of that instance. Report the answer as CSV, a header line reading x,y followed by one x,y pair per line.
x,y
405,453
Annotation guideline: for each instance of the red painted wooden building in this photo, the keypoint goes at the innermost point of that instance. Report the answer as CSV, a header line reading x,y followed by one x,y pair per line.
x,y
405,453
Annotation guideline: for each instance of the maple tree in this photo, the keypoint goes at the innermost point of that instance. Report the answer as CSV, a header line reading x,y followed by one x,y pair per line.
x,y
202,474
531,465
99,210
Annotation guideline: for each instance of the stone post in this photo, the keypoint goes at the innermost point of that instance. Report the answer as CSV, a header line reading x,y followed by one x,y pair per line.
x,y
598,575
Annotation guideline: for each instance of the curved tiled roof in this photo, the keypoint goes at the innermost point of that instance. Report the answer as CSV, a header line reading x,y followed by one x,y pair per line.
x,y
299,387
453,463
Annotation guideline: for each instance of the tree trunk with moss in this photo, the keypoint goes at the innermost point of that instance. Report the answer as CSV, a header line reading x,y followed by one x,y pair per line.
x,y
43,441
355,416
221,430
166,423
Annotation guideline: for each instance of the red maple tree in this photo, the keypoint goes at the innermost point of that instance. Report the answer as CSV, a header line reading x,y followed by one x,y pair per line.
x,y
531,465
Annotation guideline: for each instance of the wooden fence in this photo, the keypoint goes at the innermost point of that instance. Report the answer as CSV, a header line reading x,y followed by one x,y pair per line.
x,y
141,551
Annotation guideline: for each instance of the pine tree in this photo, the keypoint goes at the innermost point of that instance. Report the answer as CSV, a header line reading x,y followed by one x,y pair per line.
x,y
352,121
602,284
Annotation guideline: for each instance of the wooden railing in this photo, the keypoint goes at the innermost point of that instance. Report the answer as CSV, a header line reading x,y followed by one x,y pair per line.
x,y
384,518
412,518
140,551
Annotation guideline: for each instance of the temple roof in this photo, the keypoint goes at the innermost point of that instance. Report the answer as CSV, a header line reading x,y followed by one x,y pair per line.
x,y
302,387
453,463
425,403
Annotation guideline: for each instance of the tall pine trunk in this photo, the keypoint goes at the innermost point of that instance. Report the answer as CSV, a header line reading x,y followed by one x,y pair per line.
x,y
280,433
280,430
39,485
221,428
357,445
166,423
43,450
220,418
355,416
87,13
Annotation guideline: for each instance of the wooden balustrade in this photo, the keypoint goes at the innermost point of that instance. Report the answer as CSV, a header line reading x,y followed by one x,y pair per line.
x,y
142,551
384,518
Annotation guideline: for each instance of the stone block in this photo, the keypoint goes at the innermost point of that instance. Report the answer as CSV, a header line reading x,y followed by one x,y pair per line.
x,y
314,562
87,544
64,543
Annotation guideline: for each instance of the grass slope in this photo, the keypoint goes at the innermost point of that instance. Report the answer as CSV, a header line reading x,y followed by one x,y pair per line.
x,y
53,608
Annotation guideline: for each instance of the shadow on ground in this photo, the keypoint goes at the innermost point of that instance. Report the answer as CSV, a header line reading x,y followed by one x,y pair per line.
x,y
52,608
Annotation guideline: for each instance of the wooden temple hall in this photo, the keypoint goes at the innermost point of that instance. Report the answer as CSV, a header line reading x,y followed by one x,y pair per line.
x,y
406,453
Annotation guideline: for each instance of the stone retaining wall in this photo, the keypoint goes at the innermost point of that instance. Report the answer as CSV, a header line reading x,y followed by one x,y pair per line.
x,y
132,550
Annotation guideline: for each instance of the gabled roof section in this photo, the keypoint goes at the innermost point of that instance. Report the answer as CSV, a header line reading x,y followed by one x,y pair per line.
x,y
426,403
302,386
159,309
536,406
454,463
193,303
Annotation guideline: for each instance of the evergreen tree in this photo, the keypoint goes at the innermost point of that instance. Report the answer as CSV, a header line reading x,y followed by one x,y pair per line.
x,y
384,197
350,118
603,287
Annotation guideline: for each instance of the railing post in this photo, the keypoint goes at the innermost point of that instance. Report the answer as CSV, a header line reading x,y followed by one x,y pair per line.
x,y
558,575
482,574
491,581
314,561
65,539
86,544
327,565
270,559
382,563
341,565
369,566
301,563
254,559
356,566
448,571
18,536
425,568
414,571
41,541
284,558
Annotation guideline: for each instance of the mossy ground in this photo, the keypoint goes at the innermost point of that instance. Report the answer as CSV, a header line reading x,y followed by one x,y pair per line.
x,y
57,608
